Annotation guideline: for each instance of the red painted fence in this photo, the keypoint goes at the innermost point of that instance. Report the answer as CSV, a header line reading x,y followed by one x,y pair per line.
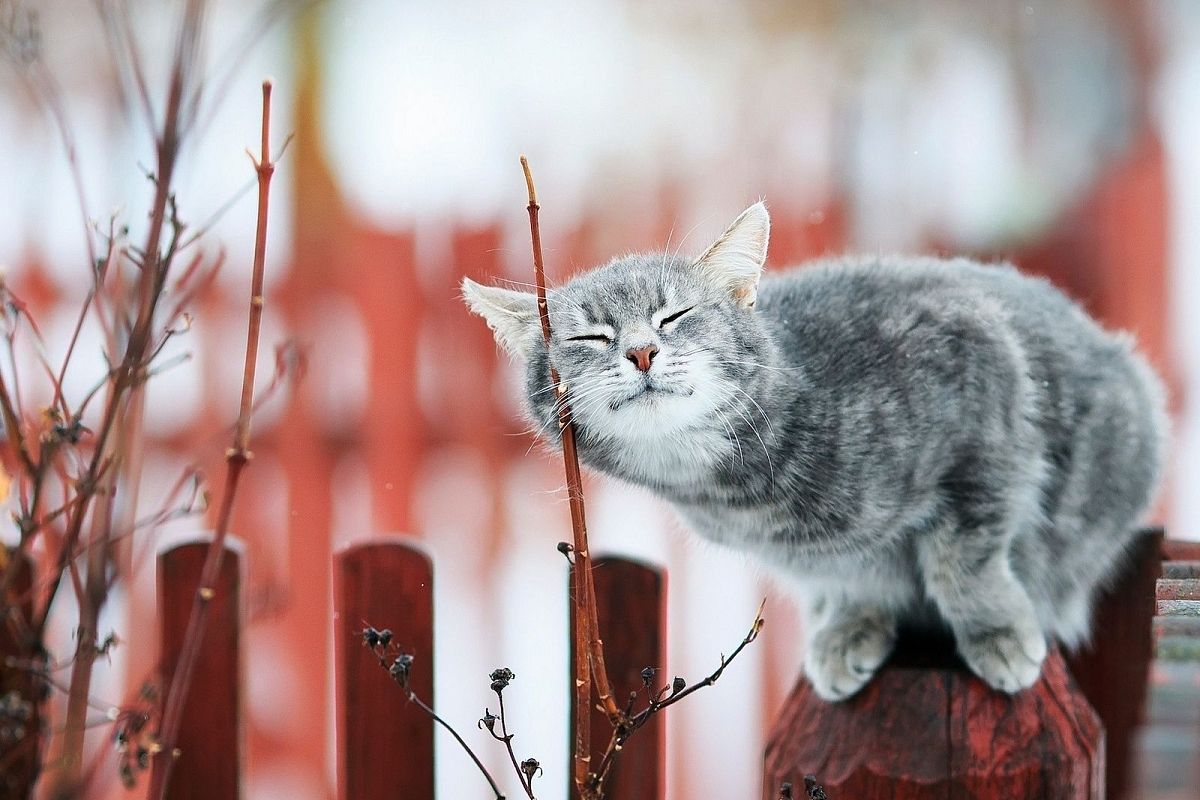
x,y
385,743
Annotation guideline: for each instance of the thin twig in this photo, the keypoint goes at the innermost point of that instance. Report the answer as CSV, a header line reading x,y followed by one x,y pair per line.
x,y
755,628
412,696
672,694
582,565
507,738
236,459
401,671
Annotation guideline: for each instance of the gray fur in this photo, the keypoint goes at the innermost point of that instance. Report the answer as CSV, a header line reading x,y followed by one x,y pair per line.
x,y
907,440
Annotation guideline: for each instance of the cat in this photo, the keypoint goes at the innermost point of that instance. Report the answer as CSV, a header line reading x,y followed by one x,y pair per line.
x,y
908,441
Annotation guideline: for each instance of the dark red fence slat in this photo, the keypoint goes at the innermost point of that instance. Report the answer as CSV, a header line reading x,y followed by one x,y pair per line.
x,y
631,610
20,692
1114,670
385,743
210,758
1179,550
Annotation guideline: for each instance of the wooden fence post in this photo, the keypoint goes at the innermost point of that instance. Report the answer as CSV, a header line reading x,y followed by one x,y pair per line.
x,y
384,742
21,692
1111,675
631,611
1168,752
210,735
1114,670
923,729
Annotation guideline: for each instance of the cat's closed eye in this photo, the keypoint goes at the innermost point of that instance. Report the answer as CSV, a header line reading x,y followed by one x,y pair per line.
x,y
667,320
591,337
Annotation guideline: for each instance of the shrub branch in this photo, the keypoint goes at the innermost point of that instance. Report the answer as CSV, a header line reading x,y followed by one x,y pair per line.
x,y
236,459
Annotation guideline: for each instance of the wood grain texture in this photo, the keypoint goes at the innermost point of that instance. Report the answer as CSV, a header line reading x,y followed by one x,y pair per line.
x,y
384,743
631,611
929,730
209,741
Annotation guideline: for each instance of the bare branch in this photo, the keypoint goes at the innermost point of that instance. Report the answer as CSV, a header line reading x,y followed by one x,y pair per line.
x,y
236,459
588,647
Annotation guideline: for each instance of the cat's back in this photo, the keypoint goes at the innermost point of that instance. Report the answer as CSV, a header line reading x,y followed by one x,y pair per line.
x,y
957,344
856,311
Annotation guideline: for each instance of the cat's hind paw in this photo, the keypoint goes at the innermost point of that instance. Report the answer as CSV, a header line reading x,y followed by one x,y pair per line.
x,y
843,656
1005,658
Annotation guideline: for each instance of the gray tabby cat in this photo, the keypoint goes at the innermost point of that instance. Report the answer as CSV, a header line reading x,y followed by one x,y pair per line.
x,y
909,440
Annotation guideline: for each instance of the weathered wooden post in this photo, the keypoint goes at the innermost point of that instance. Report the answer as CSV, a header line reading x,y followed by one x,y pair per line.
x,y
924,727
1114,669
210,739
631,611
384,742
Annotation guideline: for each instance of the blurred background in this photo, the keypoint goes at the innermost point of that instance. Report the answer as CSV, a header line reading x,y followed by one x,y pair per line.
x,y
1060,135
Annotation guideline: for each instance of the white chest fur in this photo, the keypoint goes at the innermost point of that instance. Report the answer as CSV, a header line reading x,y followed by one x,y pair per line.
x,y
678,459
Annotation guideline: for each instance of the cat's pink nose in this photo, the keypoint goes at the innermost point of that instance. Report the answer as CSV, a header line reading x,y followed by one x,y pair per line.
x,y
642,356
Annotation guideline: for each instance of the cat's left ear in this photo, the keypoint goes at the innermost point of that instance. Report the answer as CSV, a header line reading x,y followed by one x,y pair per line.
x,y
735,260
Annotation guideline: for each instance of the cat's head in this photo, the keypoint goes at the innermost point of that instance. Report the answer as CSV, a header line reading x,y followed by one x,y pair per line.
x,y
648,344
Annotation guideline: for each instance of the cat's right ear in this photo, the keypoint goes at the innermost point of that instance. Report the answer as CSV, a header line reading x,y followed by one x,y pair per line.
x,y
512,316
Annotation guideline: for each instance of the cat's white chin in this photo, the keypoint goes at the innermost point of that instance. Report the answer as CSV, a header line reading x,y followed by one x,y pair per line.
x,y
661,439
649,414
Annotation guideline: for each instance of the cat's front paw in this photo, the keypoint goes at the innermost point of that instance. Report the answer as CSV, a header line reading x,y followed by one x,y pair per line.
x,y
843,656
1006,658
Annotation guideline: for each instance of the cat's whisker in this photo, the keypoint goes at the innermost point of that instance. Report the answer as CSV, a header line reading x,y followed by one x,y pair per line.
x,y
552,418
586,382
739,410
662,261
761,412
682,241
732,436
755,364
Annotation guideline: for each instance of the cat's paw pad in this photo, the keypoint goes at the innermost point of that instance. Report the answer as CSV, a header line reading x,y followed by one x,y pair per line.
x,y
842,658
1006,658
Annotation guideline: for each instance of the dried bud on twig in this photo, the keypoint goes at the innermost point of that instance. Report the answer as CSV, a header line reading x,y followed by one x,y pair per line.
x,y
785,791
814,790
501,678
648,676
488,721
531,767
401,668
566,549
370,638
678,685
